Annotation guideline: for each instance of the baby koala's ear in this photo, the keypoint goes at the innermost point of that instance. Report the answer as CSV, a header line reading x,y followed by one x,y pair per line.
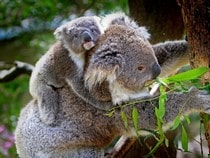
x,y
58,33
105,65
63,29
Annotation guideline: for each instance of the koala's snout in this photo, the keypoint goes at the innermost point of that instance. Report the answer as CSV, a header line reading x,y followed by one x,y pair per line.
x,y
86,36
88,41
155,70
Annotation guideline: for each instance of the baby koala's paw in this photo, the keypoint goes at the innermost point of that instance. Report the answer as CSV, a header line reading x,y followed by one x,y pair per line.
x,y
48,110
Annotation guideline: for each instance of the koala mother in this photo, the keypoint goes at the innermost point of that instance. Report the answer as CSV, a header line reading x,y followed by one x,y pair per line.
x,y
115,69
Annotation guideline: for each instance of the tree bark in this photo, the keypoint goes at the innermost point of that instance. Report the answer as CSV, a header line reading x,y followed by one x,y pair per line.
x,y
196,17
162,17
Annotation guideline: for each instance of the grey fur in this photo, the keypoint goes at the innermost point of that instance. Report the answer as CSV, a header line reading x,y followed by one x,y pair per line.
x,y
65,59
121,19
171,56
81,129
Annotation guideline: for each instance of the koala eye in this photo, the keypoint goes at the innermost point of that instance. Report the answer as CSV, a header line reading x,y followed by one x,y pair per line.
x,y
141,68
95,31
92,30
76,35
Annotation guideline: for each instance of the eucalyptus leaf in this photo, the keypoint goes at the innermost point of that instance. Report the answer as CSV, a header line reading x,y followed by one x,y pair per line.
x,y
184,139
188,75
124,118
110,114
187,119
176,122
135,117
162,100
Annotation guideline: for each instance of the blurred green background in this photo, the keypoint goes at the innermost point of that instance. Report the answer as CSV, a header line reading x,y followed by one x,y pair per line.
x,y
26,33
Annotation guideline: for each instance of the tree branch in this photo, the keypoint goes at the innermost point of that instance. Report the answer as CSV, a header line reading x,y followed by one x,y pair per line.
x,y
18,69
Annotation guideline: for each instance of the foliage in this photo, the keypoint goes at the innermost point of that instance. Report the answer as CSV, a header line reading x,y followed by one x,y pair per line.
x,y
14,12
176,81
180,82
13,97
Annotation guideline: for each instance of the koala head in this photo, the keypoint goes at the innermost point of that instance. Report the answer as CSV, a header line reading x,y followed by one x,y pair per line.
x,y
123,60
79,35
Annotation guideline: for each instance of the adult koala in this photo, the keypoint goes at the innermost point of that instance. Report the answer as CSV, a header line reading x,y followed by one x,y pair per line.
x,y
116,68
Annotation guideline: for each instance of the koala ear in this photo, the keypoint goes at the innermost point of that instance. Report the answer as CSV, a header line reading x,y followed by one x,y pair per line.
x,y
104,65
58,32
143,32
63,29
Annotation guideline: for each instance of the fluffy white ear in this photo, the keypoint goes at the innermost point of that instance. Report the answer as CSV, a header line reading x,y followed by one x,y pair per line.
x,y
58,32
144,32
104,65
120,18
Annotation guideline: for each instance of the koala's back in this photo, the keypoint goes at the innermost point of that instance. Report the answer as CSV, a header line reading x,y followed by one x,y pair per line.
x,y
51,69
78,125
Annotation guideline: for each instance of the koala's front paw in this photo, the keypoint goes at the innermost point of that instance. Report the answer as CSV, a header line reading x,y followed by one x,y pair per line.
x,y
49,118
48,111
202,97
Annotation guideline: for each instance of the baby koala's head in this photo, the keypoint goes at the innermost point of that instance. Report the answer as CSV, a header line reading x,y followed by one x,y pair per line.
x,y
79,35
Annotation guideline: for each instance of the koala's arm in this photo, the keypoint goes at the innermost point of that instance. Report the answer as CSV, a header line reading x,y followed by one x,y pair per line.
x,y
177,103
42,87
92,97
171,55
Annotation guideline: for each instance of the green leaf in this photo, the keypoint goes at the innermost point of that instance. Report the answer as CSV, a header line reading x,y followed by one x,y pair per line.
x,y
162,81
188,75
110,114
187,119
162,99
154,149
135,117
176,122
166,142
184,139
124,118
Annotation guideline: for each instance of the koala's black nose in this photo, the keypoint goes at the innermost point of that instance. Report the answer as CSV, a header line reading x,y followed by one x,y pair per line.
x,y
86,36
155,70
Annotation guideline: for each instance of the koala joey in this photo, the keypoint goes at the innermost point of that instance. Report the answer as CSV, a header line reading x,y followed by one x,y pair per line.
x,y
78,36
64,62
120,63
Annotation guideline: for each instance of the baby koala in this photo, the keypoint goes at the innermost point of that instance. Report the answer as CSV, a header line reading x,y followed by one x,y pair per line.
x,y
78,36
65,59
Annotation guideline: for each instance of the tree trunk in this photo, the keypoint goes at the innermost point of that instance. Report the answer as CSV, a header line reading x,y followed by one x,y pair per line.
x,y
196,17
162,17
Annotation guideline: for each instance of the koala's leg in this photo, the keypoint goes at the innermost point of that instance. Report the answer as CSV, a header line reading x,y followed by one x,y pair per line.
x,y
48,104
171,55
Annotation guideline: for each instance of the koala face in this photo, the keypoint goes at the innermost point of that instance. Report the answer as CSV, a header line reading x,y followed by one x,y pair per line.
x,y
79,35
124,60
